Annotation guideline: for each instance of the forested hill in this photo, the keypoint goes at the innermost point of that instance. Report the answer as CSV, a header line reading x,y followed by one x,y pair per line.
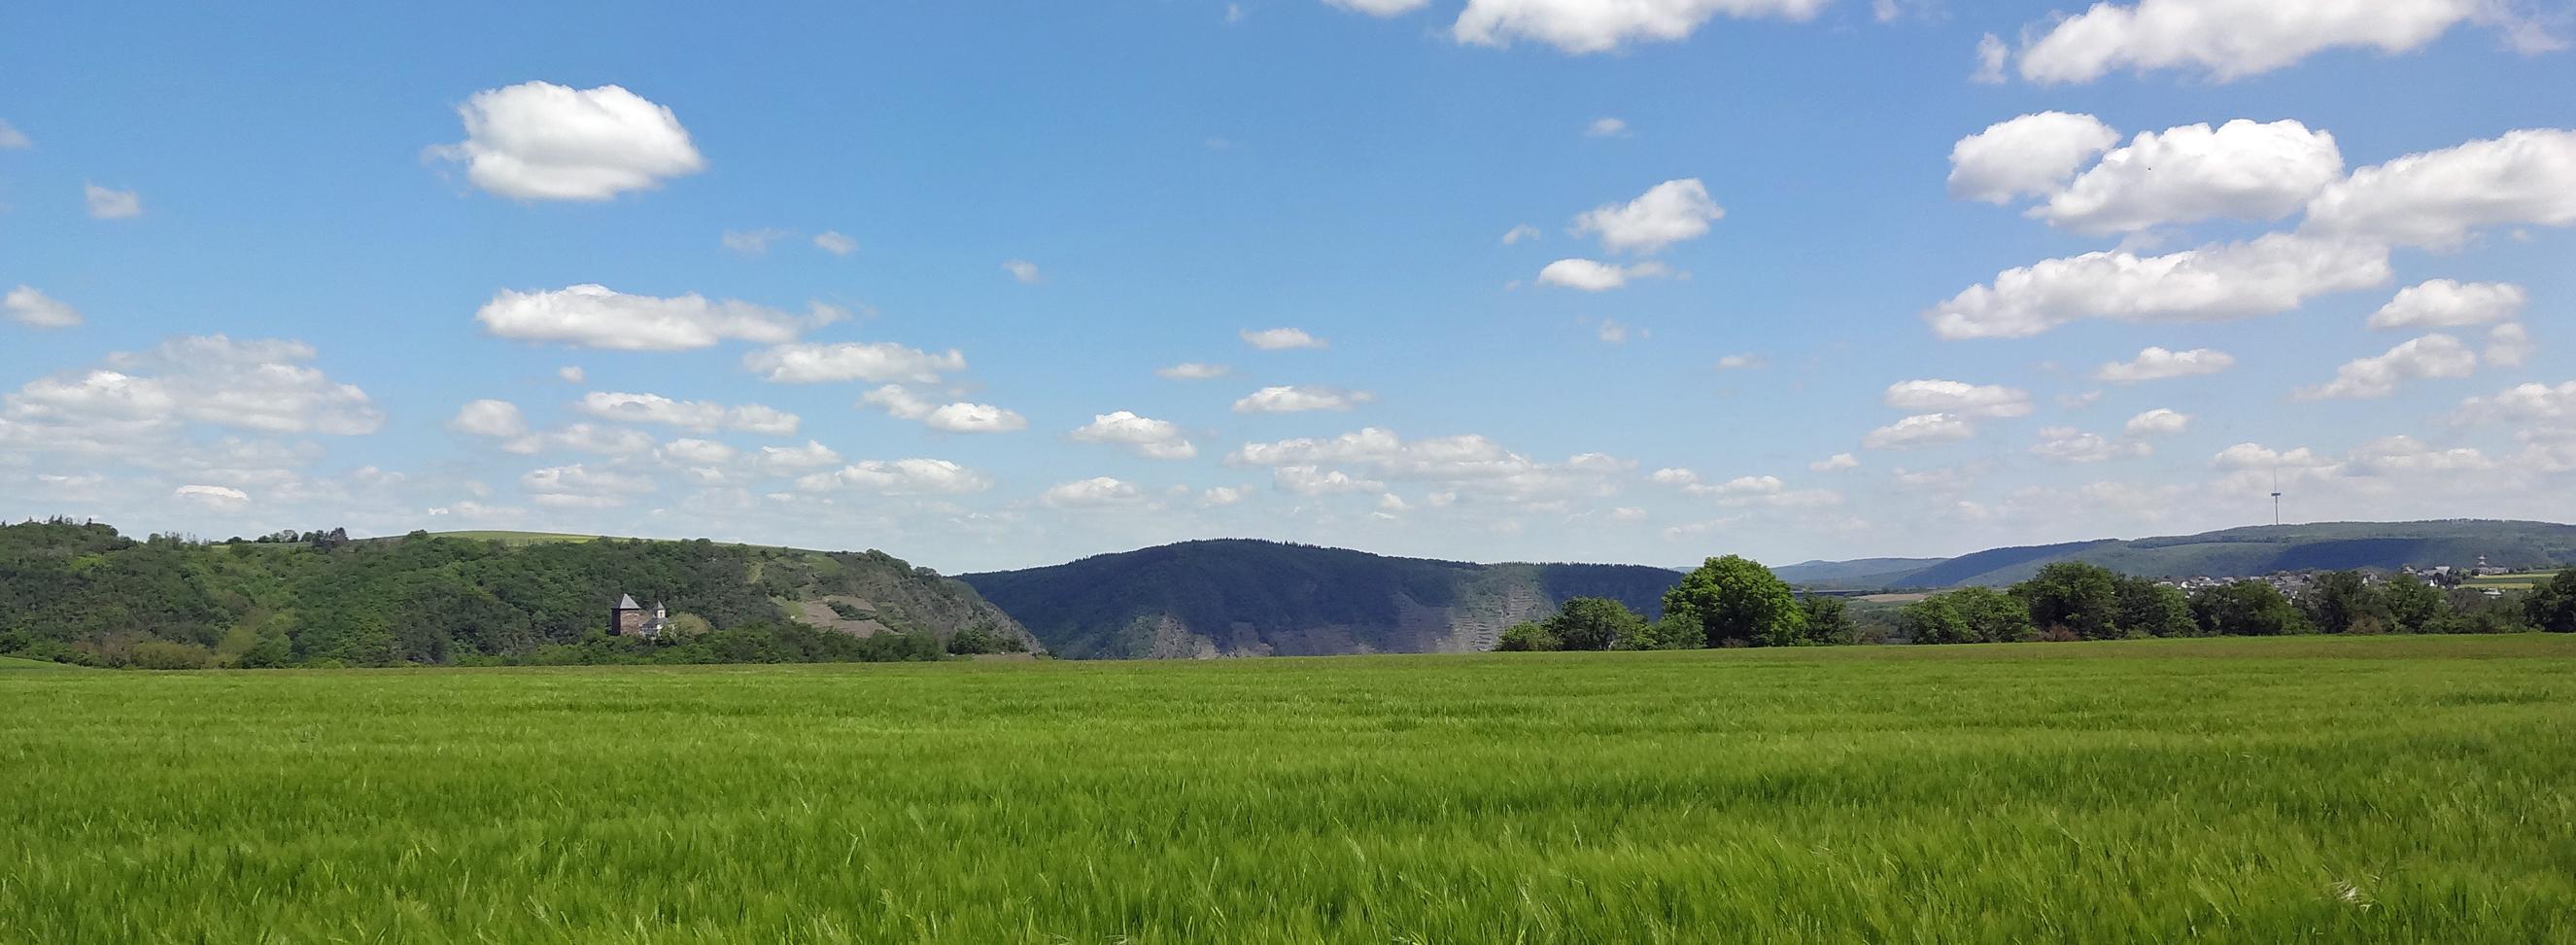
x,y
1259,598
81,592
2235,552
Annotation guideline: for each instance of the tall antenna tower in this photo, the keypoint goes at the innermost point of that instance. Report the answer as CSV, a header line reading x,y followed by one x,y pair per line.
x,y
2276,496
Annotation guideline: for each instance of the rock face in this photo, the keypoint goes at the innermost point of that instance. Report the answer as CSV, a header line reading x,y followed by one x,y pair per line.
x,y
1254,598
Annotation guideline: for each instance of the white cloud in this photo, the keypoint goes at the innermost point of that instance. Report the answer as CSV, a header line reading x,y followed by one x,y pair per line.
x,y
2254,456
2539,406
2431,356
1930,429
582,438
595,316
1094,492
1310,480
2229,39
1520,232
1590,276
899,477
1218,496
1838,461
26,306
2241,170
11,139
583,481
2267,276
1301,398
2443,303
1606,128
947,418
498,419
2156,364
1959,398
782,459
1667,213
2405,455
221,497
109,204
1992,54
1024,271
1377,7
1280,339
2508,345
2030,155
212,379
1749,485
835,243
696,452
572,374
1614,331
752,242
694,415
2436,199
541,141
2161,421
1147,437
1468,461
2069,445
1674,476
1193,371
875,362
1741,362
1593,26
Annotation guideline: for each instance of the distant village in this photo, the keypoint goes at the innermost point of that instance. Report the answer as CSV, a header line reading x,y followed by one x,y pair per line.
x,y
2291,584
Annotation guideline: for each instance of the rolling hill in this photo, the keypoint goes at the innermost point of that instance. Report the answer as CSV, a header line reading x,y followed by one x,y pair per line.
x,y
1258,598
2235,552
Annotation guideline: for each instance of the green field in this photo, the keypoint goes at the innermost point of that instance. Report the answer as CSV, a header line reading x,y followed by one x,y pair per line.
x,y
2412,789
2511,582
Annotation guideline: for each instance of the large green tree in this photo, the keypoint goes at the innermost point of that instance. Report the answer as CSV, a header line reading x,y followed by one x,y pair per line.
x,y
2414,606
2070,595
2247,608
1993,616
2154,610
1934,620
2551,606
1736,599
2344,601
1594,623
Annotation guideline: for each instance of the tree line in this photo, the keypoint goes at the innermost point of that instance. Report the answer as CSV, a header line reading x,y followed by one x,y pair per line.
x,y
1735,601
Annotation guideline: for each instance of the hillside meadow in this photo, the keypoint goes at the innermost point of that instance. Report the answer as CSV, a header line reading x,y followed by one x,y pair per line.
x,y
2246,790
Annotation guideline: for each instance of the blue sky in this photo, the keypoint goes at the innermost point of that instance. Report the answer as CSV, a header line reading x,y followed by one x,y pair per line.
x,y
265,276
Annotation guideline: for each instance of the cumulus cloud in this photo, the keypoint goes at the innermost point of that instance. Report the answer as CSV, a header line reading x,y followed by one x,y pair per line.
x,y
2269,275
2508,345
497,419
1959,398
1518,233
1311,480
2406,455
1836,462
1147,437
875,362
261,385
2069,445
2161,421
1301,398
2030,155
695,452
572,374
595,316
581,485
898,477
2229,40
542,141
1992,55
783,459
2535,406
111,204
582,438
2443,303
1094,492
835,243
2156,364
11,139
946,418
1023,271
2241,170
1193,371
1280,339
2432,356
34,309
2436,199
752,242
1741,362
1929,429
1667,213
1591,276
700,416
1467,461
221,497
1594,26
1377,7
1606,128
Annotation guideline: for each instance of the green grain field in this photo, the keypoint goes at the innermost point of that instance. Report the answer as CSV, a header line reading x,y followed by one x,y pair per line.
x,y
2246,790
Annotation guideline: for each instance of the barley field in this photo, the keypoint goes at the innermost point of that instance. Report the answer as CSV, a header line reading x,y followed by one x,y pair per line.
x,y
2241,790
